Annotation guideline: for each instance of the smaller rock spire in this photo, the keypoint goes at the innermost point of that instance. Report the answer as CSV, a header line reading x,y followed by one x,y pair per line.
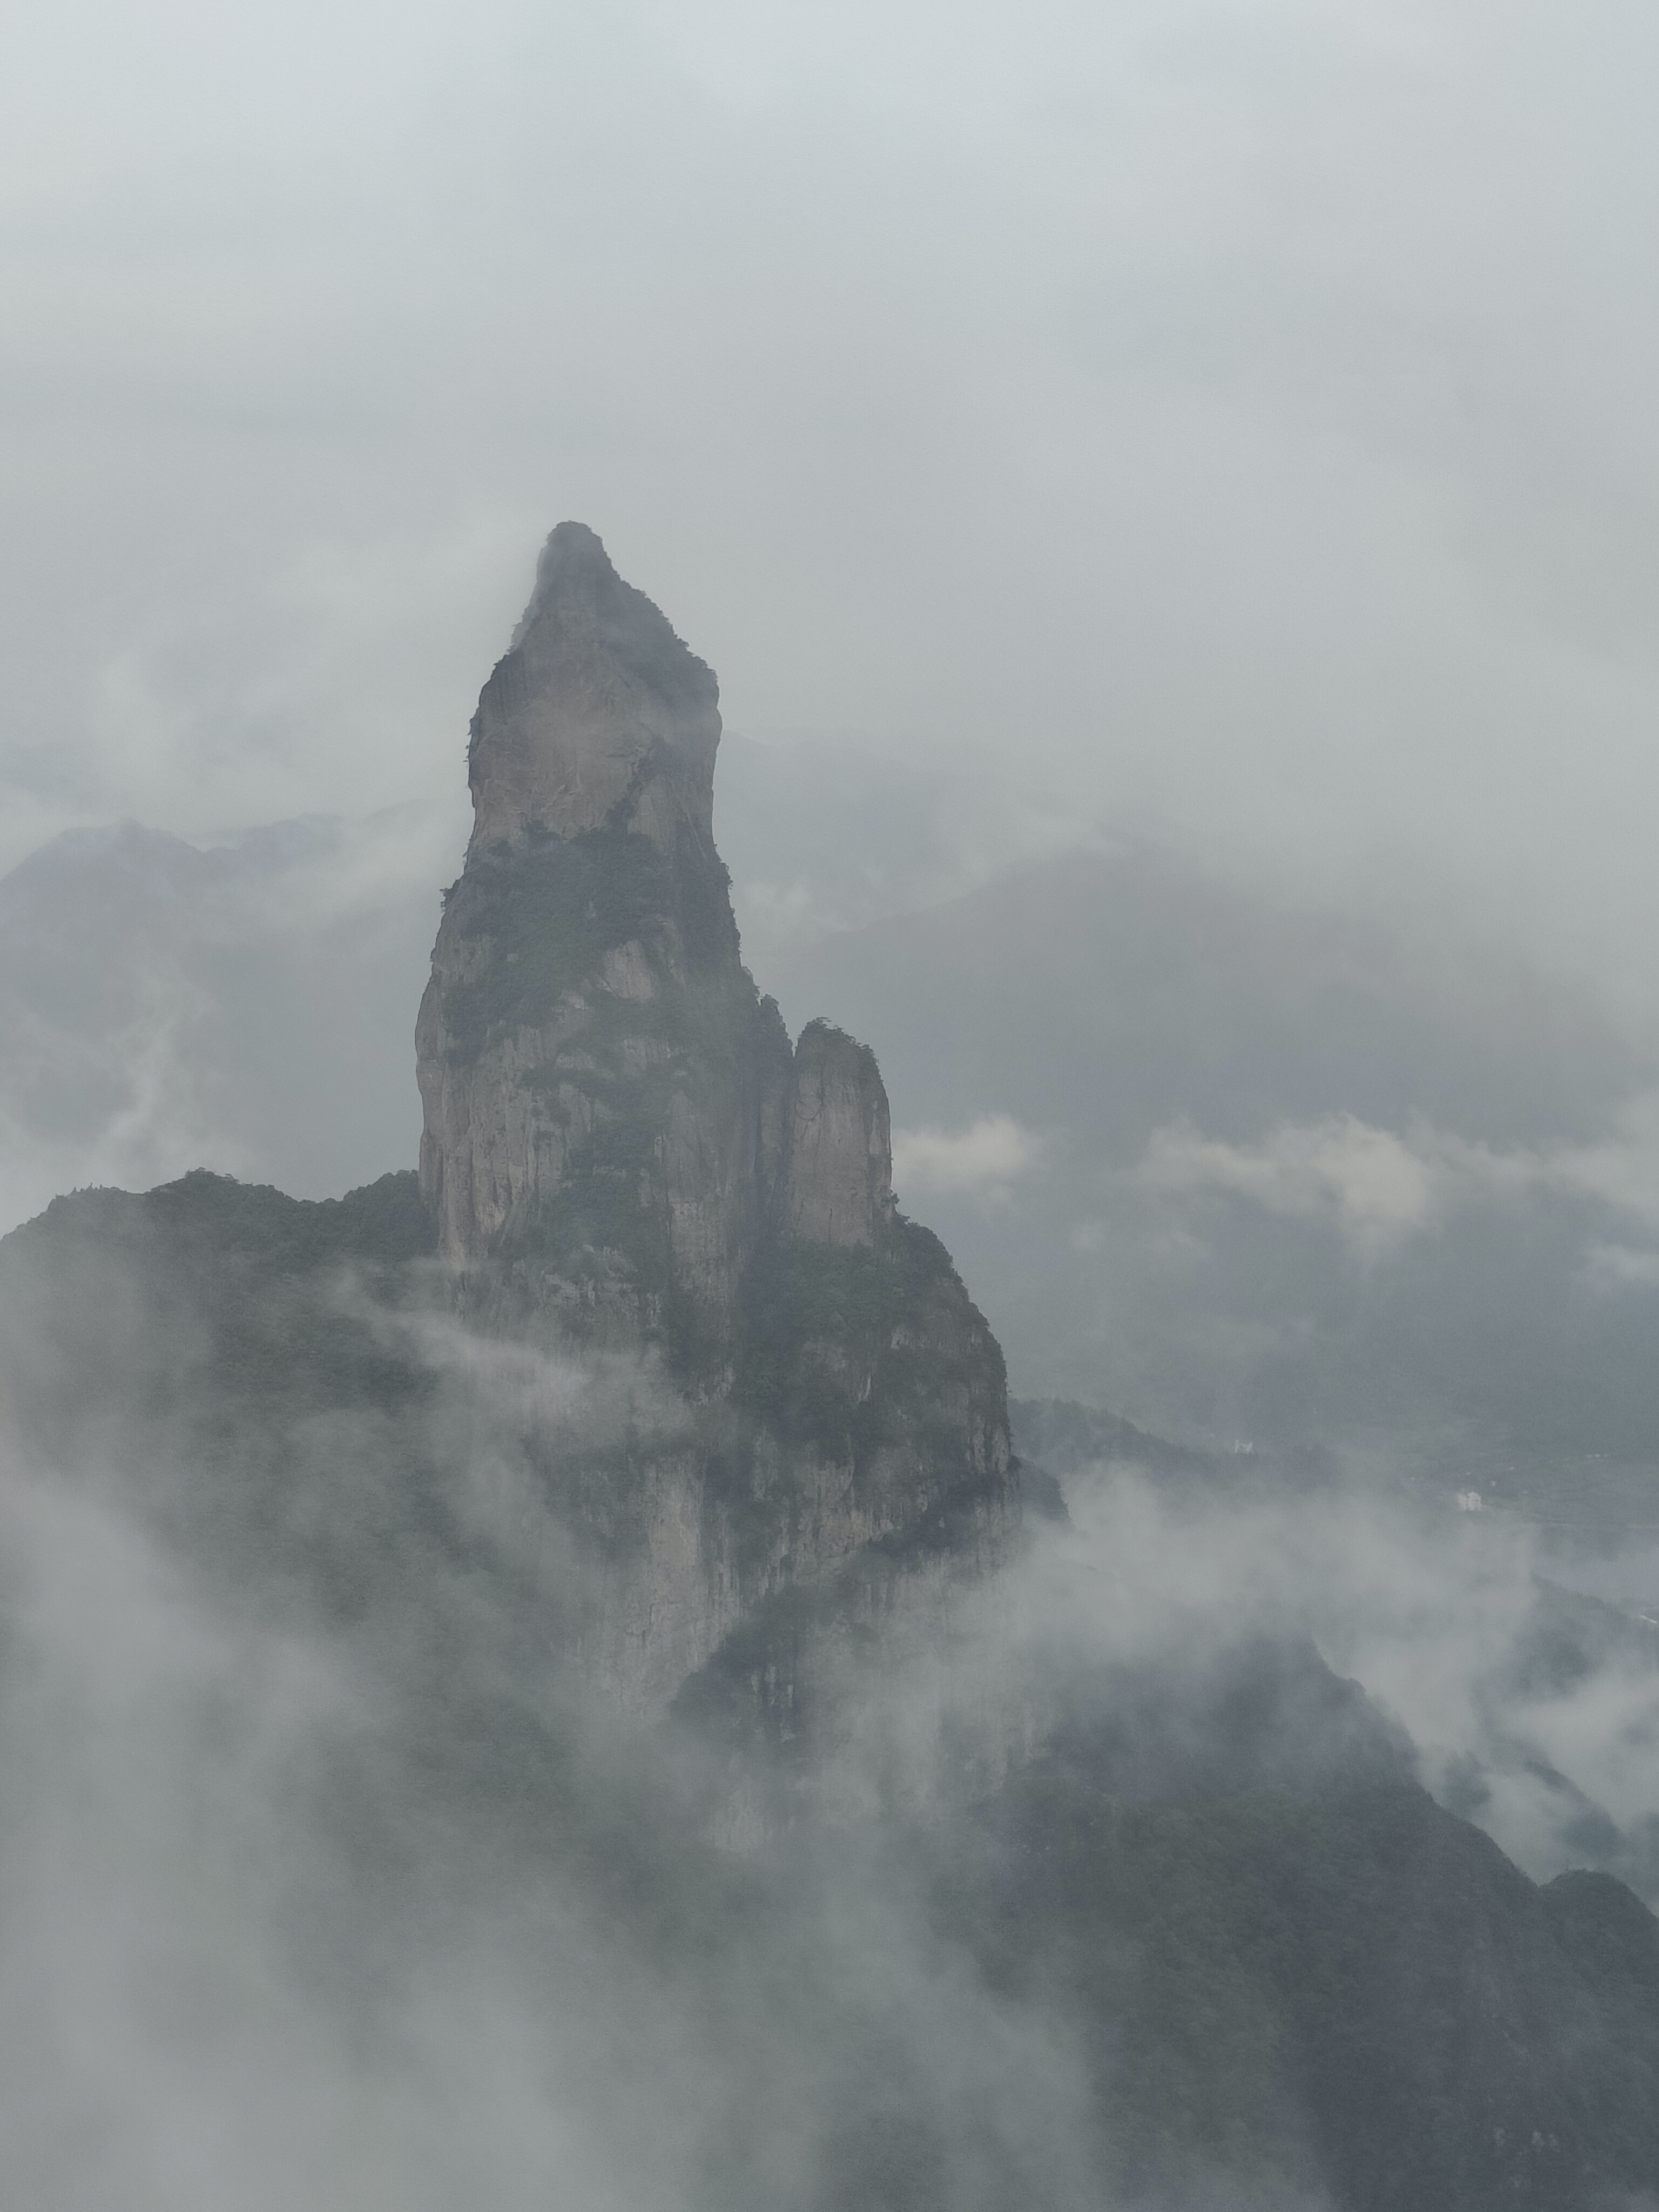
x,y
839,1165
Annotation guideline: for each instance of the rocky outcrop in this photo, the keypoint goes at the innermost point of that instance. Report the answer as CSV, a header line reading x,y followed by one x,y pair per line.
x,y
621,1150
839,1181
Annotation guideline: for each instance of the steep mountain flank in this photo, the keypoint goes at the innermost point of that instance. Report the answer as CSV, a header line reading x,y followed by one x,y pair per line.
x,y
623,1153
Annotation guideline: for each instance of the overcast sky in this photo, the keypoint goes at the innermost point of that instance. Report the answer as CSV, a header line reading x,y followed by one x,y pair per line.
x,y
1236,416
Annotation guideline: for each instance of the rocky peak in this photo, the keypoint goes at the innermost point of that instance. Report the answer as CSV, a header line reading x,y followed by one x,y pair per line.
x,y
604,1086
839,1183
597,716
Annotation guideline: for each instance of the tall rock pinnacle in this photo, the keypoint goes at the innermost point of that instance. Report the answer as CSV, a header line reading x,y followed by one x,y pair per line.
x,y
611,1110
603,1088
622,1150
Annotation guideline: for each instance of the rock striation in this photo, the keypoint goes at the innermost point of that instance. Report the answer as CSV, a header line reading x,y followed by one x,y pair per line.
x,y
623,1152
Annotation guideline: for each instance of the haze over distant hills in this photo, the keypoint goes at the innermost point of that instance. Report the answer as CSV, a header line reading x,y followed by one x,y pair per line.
x,y
1236,1165
243,1007
1268,1170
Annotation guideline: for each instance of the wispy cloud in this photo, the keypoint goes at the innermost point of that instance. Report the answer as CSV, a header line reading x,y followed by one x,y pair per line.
x,y
985,1158
1379,1187
1371,1183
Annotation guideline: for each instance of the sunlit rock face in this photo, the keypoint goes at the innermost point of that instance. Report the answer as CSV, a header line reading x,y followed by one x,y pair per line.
x,y
622,1154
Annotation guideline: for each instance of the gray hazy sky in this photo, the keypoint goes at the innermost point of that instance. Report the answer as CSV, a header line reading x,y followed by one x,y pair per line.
x,y
1234,416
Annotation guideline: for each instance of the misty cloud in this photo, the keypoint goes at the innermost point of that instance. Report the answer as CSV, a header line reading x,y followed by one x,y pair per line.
x,y
318,1834
268,1963
1612,1268
1226,416
370,1904
1453,1623
986,1158
214,1994
1379,1189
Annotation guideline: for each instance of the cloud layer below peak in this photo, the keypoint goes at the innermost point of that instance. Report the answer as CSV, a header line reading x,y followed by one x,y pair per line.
x,y
1379,1187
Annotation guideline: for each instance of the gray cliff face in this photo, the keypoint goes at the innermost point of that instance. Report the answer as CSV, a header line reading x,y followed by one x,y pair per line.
x,y
621,1152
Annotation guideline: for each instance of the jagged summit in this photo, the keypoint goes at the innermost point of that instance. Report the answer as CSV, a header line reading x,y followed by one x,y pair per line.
x,y
596,715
